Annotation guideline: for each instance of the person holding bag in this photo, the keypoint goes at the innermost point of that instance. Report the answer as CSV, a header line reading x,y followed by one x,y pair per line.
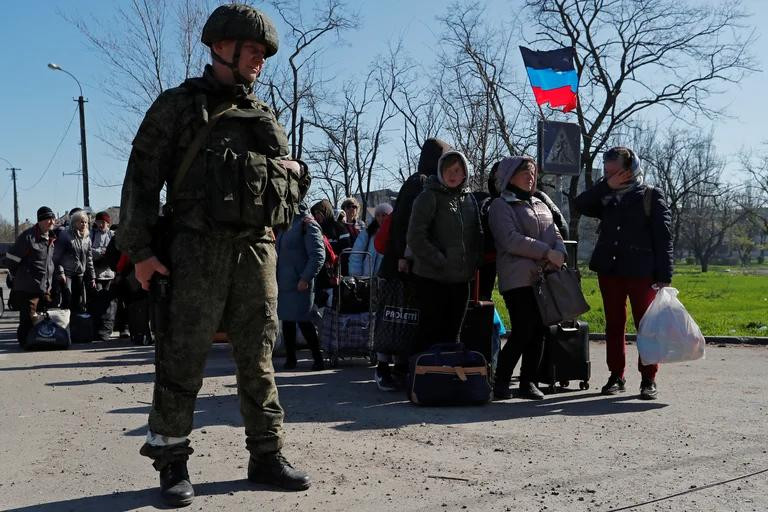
x,y
527,239
632,256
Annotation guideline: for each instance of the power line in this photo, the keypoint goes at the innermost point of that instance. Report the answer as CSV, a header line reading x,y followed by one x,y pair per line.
x,y
55,152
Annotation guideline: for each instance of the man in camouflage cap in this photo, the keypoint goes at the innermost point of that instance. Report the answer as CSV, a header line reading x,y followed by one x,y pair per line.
x,y
222,155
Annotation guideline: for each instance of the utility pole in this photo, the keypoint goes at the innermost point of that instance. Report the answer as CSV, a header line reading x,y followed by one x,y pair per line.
x,y
83,150
15,202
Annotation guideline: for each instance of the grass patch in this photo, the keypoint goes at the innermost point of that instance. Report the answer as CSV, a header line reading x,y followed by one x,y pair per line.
x,y
726,301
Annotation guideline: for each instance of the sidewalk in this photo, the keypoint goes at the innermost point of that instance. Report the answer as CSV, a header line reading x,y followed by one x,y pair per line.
x,y
71,424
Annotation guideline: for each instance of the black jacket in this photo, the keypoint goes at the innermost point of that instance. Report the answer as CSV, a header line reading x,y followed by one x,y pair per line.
x,y
401,215
30,260
629,244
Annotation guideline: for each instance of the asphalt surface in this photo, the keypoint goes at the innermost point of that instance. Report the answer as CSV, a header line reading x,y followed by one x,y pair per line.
x,y
71,424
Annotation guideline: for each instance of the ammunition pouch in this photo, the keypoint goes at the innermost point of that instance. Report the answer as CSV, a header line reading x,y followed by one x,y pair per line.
x,y
249,190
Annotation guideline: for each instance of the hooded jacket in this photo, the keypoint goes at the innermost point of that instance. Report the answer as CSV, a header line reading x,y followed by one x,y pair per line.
x,y
300,255
444,232
431,152
524,231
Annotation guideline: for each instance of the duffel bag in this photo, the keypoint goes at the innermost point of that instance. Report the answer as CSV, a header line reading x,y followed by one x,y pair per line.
x,y
449,374
50,331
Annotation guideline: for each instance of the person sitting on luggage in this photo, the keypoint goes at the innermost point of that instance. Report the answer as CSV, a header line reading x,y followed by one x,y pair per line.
x,y
632,257
368,264
74,262
30,261
300,256
445,240
527,239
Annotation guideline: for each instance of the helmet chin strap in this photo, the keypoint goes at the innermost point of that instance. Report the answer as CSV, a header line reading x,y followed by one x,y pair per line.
x,y
234,66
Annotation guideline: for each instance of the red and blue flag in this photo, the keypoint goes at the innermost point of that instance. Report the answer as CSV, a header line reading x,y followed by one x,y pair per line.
x,y
553,76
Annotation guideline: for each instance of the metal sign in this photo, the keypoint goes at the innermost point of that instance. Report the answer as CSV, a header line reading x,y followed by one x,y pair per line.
x,y
559,148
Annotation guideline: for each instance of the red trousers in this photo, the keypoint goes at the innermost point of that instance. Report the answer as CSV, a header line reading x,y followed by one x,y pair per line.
x,y
615,291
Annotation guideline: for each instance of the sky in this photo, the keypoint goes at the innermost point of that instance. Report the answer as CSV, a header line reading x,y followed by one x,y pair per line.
x,y
39,130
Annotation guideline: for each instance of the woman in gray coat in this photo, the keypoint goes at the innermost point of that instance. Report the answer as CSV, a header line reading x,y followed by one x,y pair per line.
x,y
73,258
300,255
527,240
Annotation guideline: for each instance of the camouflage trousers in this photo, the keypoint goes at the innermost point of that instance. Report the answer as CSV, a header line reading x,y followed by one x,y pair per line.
x,y
227,283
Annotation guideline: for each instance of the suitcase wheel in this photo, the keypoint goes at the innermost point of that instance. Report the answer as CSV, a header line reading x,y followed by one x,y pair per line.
x,y
564,383
583,385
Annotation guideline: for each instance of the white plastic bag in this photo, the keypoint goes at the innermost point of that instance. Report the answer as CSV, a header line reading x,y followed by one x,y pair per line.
x,y
667,333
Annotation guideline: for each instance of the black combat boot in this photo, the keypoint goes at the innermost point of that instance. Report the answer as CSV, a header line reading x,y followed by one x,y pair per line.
x,y
171,461
273,469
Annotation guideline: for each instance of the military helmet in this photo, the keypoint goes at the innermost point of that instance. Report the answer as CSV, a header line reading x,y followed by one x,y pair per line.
x,y
240,22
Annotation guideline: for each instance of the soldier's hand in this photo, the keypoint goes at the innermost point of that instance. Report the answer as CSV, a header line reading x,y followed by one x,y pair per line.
x,y
291,165
147,268
403,265
303,285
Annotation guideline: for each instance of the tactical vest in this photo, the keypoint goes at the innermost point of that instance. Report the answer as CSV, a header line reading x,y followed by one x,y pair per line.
x,y
235,174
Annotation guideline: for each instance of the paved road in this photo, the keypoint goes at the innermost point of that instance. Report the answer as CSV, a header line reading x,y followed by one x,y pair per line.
x,y
71,424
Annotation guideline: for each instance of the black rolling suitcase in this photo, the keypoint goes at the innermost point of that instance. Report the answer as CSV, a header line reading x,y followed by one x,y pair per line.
x,y
566,355
81,322
103,306
138,320
477,329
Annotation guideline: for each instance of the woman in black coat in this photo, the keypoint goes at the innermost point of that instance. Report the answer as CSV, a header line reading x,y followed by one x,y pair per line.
x,y
632,256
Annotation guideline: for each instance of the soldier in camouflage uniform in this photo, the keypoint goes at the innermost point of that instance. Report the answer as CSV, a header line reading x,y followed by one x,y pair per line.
x,y
228,182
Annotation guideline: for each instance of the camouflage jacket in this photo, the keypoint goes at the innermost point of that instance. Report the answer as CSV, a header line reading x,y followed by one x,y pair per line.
x,y
162,141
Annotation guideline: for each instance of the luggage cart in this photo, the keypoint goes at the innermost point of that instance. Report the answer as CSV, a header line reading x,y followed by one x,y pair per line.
x,y
347,334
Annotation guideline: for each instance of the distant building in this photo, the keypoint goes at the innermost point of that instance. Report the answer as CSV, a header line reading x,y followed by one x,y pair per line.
x,y
376,197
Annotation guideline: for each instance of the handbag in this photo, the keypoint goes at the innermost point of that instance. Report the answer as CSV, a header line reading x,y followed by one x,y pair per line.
x,y
559,296
397,316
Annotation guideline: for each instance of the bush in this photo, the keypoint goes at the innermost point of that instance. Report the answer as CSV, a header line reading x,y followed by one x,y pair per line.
x,y
690,260
760,260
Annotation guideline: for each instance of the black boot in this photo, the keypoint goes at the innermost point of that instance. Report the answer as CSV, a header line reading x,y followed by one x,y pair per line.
x,y
171,461
273,469
501,389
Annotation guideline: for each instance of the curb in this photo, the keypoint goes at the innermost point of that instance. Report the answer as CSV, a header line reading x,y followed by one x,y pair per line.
x,y
711,340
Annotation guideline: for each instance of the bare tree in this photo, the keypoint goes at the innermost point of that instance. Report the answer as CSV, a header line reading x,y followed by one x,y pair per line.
x,y
147,46
680,163
635,55
417,106
712,214
297,86
483,102
353,135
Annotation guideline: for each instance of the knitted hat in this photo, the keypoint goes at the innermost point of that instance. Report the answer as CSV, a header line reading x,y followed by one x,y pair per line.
x,y
104,216
44,213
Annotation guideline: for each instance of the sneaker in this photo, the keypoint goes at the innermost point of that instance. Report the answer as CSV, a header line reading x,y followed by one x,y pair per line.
x,y
384,380
614,385
501,390
648,390
529,391
175,487
274,469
